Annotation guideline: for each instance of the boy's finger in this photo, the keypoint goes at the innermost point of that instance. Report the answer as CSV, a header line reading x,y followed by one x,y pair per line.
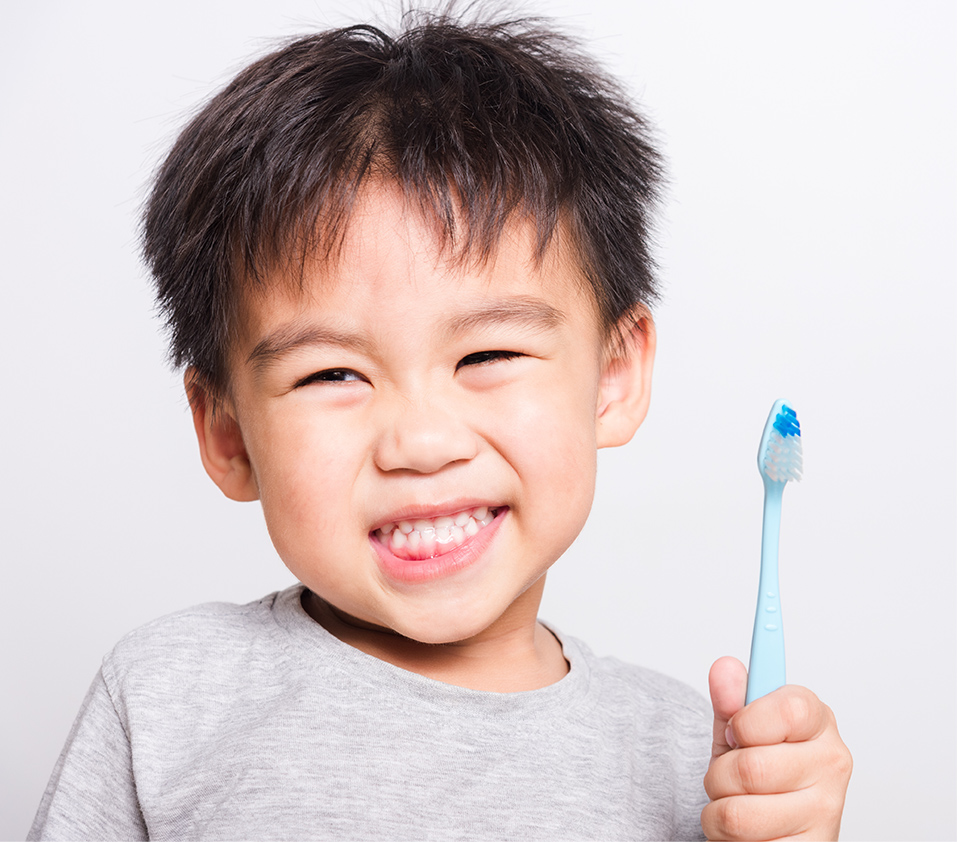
x,y
727,692
790,714
760,816
763,770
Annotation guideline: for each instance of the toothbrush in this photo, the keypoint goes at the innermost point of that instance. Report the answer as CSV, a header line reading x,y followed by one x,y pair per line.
x,y
780,460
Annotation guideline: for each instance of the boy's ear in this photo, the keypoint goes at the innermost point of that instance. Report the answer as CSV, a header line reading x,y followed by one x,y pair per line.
x,y
222,450
626,381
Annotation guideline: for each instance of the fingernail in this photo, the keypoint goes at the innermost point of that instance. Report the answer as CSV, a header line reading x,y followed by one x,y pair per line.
x,y
730,739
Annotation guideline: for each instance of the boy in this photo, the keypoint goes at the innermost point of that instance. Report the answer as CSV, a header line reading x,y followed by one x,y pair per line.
x,y
409,280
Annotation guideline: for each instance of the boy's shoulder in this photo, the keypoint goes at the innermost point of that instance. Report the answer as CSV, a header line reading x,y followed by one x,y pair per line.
x,y
641,689
210,618
201,642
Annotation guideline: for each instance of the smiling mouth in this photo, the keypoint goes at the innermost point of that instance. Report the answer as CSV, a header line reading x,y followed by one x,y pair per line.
x,y
424,538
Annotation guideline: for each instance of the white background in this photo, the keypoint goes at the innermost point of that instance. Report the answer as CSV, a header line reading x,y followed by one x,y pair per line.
x,y
809,252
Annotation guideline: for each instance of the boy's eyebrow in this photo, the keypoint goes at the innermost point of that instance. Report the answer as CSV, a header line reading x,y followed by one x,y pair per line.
x,y
522,310
292,336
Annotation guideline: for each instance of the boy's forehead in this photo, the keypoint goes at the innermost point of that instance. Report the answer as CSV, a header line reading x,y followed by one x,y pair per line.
x,y
392,245
385,216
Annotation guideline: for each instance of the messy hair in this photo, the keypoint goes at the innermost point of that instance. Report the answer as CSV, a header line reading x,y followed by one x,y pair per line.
x,y
478,123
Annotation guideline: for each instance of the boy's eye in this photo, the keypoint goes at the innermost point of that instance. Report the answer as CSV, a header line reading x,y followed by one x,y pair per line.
x,y
332,375
483,357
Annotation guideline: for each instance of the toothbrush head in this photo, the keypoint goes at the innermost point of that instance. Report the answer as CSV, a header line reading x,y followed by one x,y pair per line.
x,y
780,451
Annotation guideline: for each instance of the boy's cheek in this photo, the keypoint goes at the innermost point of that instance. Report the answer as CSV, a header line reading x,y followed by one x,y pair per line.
x,y
560,403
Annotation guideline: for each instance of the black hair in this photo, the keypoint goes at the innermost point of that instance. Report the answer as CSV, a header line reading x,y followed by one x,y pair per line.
x,y
479,123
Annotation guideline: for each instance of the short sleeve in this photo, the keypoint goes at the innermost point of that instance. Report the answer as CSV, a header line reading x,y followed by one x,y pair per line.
x,y
92,794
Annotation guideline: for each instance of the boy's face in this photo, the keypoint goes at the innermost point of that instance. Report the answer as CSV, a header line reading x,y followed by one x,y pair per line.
x,y
422,435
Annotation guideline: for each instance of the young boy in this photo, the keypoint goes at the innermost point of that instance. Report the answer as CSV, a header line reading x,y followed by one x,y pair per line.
x,y
410,282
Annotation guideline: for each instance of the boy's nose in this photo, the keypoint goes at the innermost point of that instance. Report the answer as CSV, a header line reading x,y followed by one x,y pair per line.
x,y
423,438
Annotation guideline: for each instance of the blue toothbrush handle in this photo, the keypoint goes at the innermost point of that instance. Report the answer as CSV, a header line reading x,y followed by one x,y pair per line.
x,y
767,659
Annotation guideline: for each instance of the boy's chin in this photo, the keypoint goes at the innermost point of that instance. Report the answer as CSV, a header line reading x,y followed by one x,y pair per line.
x,y
437,630
350,628
473,618
443,625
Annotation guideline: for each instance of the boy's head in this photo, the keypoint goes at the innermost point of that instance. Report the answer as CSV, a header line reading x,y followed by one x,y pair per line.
x,y
397,266
479,125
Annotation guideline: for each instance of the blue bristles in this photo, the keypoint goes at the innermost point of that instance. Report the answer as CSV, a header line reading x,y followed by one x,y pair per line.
x,y
786,422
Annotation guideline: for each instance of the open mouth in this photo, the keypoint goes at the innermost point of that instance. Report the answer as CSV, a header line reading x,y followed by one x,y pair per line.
x,y
424,538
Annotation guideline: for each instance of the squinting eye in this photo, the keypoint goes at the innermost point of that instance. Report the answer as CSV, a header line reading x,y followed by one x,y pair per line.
x,y
332,375
483,357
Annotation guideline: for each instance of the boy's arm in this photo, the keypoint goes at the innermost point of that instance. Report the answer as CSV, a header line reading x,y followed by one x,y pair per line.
x,y
778,767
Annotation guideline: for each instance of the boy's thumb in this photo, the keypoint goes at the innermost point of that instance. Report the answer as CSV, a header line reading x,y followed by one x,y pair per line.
x,y
727,692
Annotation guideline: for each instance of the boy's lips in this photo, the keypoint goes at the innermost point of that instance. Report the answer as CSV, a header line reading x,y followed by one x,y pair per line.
x,y
421,538
443,549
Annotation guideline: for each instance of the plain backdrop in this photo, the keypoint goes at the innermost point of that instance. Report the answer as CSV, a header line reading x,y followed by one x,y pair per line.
x,y
808,251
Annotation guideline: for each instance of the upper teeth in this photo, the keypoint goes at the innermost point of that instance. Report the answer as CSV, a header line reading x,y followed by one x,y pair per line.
x,y
426,534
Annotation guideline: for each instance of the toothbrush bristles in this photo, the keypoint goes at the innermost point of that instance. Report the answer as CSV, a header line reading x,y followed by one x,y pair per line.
x,y
782,461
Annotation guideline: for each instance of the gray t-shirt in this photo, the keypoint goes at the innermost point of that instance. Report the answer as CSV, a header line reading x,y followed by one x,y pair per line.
x,y
253,722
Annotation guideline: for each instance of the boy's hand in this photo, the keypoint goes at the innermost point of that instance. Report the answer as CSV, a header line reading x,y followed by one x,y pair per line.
x,y
778,769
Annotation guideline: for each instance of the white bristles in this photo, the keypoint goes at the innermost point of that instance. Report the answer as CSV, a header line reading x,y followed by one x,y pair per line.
x,y
782,461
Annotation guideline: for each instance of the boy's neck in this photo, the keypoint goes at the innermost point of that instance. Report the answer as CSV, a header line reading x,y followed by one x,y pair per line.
x,y
512,660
